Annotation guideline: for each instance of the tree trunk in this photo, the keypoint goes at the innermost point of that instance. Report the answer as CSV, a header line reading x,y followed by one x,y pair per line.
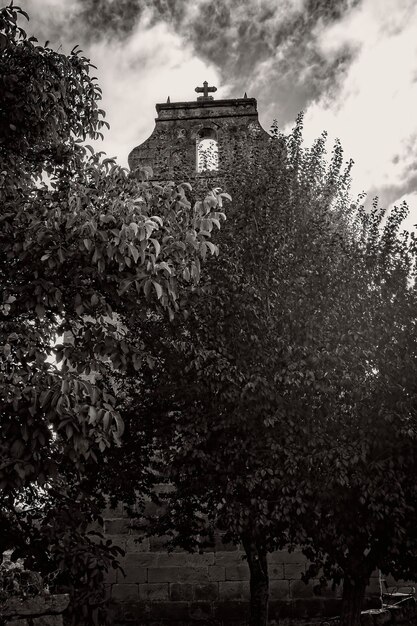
x,y
353,595
259,582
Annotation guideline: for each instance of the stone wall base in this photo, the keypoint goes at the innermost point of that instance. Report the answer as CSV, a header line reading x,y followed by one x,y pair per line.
x,y
230,613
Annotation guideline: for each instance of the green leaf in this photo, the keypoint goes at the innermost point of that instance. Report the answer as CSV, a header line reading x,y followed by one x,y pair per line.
x,y
158,289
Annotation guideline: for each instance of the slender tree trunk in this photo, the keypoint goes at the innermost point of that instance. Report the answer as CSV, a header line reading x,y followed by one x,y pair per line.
x,y
352,601
259,582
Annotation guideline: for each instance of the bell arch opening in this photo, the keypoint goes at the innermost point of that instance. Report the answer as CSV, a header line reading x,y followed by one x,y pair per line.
x,y
207,151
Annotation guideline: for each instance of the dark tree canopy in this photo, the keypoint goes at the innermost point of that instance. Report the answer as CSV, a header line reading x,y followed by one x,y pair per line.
x,y
283,408
276,393
83,243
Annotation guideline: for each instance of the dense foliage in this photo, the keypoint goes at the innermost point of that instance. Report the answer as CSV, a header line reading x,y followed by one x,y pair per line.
x,y
283,409
277,394
82,243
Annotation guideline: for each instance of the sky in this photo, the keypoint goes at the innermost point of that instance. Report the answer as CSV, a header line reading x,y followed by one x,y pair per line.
x,y
350,65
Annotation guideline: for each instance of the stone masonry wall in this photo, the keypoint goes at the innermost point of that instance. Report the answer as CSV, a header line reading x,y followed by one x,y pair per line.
x,y
213,587
171,148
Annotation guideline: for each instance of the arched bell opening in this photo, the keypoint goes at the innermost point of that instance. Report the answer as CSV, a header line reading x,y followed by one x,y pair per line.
x,y
207,150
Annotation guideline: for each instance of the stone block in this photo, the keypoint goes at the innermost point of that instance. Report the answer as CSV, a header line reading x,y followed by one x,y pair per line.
x,y
110,576
298,589
294,570
133,612
216,573
48,620
170,559
232,611
181,591
178,574
279,610
154,591
36,605
283,556
276,571
123,593
199,560
172,611
118,540
119,526
307,608
137,543
135,568
234,590
227,559
207,592
17,622
140,559
237,572
200,612
279,590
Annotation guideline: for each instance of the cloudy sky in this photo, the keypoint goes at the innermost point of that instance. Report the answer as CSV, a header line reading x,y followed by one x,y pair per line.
x,y
350,65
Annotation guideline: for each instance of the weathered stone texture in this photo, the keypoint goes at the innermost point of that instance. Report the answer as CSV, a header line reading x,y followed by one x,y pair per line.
x,y
279,589
189,587
42,610
48,620
181,591
124,592
154,591
234,590
294,570
178,574
172,147
237,572
36,605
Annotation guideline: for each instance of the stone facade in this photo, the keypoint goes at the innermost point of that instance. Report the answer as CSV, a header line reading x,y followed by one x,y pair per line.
x,y
171,150
212,587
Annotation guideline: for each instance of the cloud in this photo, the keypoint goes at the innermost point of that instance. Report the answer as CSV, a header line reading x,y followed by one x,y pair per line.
x,y
350,64
135,71
127,77
373,110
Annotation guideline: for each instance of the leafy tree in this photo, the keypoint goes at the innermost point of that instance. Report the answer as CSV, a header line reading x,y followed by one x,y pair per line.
x,y
82,241
294,360
360,504
224,427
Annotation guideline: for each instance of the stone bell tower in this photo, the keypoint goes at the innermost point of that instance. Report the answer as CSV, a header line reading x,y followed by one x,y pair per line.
x,y
201,137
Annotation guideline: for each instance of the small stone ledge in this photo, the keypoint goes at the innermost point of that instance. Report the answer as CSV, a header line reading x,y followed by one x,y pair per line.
x,y
42,610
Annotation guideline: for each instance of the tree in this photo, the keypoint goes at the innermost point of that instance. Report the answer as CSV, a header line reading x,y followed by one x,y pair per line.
x,y
294,359
82,241
243,349
364,451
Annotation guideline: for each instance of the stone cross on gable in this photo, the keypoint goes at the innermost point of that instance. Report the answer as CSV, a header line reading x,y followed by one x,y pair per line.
x,y
205,91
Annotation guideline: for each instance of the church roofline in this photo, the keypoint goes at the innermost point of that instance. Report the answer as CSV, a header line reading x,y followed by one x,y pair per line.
x,y
204,104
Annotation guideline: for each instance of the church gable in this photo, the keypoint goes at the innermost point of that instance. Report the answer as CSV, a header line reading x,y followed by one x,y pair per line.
x,y
200,136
